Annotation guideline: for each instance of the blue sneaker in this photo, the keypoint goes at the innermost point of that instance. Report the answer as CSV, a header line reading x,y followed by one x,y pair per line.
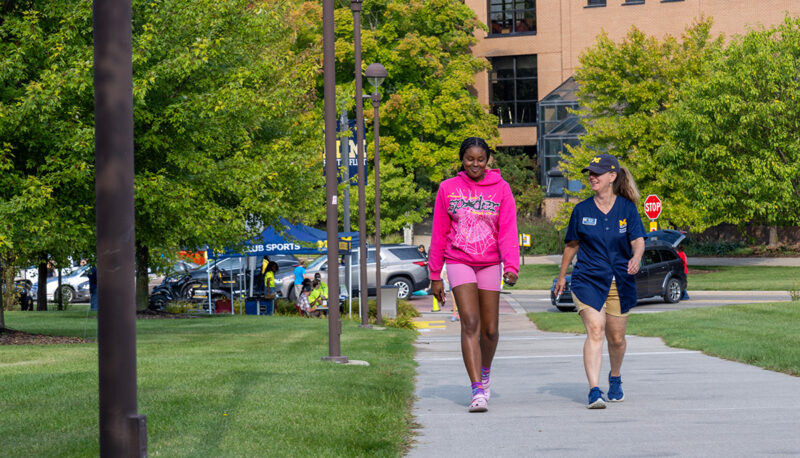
x,y
596,400
615,393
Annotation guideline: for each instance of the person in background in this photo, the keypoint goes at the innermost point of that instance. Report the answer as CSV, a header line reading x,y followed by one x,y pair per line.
x,y
303,304
475,234
607,234
682,255
299,276
269,284
323,286
421,250
93,289
317,298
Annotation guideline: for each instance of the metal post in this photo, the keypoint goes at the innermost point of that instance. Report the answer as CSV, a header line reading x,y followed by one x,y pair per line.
x,y
345,153
355,5
123,432
376,101
331,190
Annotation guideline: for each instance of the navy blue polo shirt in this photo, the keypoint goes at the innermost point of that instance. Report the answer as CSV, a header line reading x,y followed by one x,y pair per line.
x,y
604,251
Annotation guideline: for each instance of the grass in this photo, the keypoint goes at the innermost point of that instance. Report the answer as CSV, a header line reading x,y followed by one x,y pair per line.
x,y
743,278
765,335
214,386
536,276
701,278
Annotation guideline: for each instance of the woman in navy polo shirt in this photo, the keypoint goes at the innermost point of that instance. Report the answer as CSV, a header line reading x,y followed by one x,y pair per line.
x,y
607,234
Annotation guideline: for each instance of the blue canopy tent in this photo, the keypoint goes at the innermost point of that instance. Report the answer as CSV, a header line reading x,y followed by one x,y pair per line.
x,y
283,238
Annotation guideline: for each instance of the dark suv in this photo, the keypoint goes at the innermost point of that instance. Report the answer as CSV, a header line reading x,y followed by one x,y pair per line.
x,y
662,274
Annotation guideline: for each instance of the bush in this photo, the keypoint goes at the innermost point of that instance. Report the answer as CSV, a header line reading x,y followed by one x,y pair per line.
x,y
695,248
177,307
545,238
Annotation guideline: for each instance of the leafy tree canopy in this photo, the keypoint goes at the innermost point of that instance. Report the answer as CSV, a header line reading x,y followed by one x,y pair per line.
x,y
625,89
226,130
733,135
426,108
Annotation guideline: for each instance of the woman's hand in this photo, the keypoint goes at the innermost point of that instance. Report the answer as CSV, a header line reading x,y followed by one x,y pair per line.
x,y
560,285
634,264
437,289
510,278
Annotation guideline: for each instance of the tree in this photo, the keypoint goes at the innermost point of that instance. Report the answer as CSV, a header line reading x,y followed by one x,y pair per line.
x,y
733,133
426,107
625,90
226,130
519,171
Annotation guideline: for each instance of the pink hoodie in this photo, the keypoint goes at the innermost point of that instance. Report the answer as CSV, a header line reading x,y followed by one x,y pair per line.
x,y
474,223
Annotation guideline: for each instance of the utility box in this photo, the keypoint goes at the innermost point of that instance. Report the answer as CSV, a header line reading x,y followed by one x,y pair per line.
x,y
389,301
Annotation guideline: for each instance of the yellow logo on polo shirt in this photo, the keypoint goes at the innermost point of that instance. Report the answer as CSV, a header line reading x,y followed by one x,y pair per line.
x,y
623,226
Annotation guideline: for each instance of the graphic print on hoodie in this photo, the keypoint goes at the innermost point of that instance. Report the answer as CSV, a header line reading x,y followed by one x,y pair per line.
x,y
474,223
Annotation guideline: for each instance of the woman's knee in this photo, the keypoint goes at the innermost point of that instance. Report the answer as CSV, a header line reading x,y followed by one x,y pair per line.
x,y
492,334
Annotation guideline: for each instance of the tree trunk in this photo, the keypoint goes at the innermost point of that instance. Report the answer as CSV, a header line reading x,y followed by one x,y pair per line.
x,y
58,291
773,237
142,279
41,294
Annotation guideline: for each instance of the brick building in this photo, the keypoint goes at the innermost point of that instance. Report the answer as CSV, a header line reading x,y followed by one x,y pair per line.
x,y
533,48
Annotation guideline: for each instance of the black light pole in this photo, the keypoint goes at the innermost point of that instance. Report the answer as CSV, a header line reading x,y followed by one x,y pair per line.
x,y
123,432
355,6
375,74
331,206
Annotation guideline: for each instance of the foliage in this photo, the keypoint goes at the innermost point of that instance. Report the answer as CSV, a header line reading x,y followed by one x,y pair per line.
x,y
626,88
426,108
519,170
545,236
178,307
225,125
794,291
733,133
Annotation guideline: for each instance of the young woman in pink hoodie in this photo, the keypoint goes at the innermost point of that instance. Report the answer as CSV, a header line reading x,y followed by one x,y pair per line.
x,y
475,233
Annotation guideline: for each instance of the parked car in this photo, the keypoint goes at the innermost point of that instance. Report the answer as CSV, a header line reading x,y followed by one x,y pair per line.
x,y
661,274
401,265
30,275
74,287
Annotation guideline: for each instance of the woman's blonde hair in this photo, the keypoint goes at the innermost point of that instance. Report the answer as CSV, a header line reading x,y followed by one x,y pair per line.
x,y
625,185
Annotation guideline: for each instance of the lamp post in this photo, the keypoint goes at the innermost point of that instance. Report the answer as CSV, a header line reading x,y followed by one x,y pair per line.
x,y
375,74
355,6
331,205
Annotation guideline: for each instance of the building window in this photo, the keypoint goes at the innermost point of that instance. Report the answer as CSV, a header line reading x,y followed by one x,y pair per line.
x,y
633,2
596,3
513,90
512,16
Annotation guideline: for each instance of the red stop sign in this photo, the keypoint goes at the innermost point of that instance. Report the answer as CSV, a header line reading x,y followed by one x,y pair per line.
x,y
652,206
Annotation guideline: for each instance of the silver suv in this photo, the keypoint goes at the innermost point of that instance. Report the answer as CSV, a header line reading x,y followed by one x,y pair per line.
x,y
402,266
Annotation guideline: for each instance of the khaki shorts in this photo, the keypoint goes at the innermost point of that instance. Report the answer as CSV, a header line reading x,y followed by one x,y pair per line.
x,y
611,306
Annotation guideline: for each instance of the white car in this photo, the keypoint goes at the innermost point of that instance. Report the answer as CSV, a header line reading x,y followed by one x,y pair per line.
x,y
31,275
74,287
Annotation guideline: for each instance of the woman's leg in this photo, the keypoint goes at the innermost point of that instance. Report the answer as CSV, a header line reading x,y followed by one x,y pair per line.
x,y
615,334
489,309
595,323
469,307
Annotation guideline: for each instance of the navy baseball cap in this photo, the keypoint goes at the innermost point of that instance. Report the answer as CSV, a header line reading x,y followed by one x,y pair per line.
x,y
602,163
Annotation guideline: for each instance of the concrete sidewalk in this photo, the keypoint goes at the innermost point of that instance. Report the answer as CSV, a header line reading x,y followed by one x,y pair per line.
x,y
677,402
693,261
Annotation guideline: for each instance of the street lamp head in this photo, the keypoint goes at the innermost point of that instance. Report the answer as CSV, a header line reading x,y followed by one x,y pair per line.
x,y
375,74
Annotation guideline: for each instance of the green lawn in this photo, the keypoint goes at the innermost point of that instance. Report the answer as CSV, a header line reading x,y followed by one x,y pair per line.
x,y
731,278
705,278
765,335
214,386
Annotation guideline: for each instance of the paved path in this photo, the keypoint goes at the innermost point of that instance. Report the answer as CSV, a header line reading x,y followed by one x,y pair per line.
x,y
678,402
693,261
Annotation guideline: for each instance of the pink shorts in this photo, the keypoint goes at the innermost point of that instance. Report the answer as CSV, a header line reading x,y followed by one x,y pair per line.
x,y
487,277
